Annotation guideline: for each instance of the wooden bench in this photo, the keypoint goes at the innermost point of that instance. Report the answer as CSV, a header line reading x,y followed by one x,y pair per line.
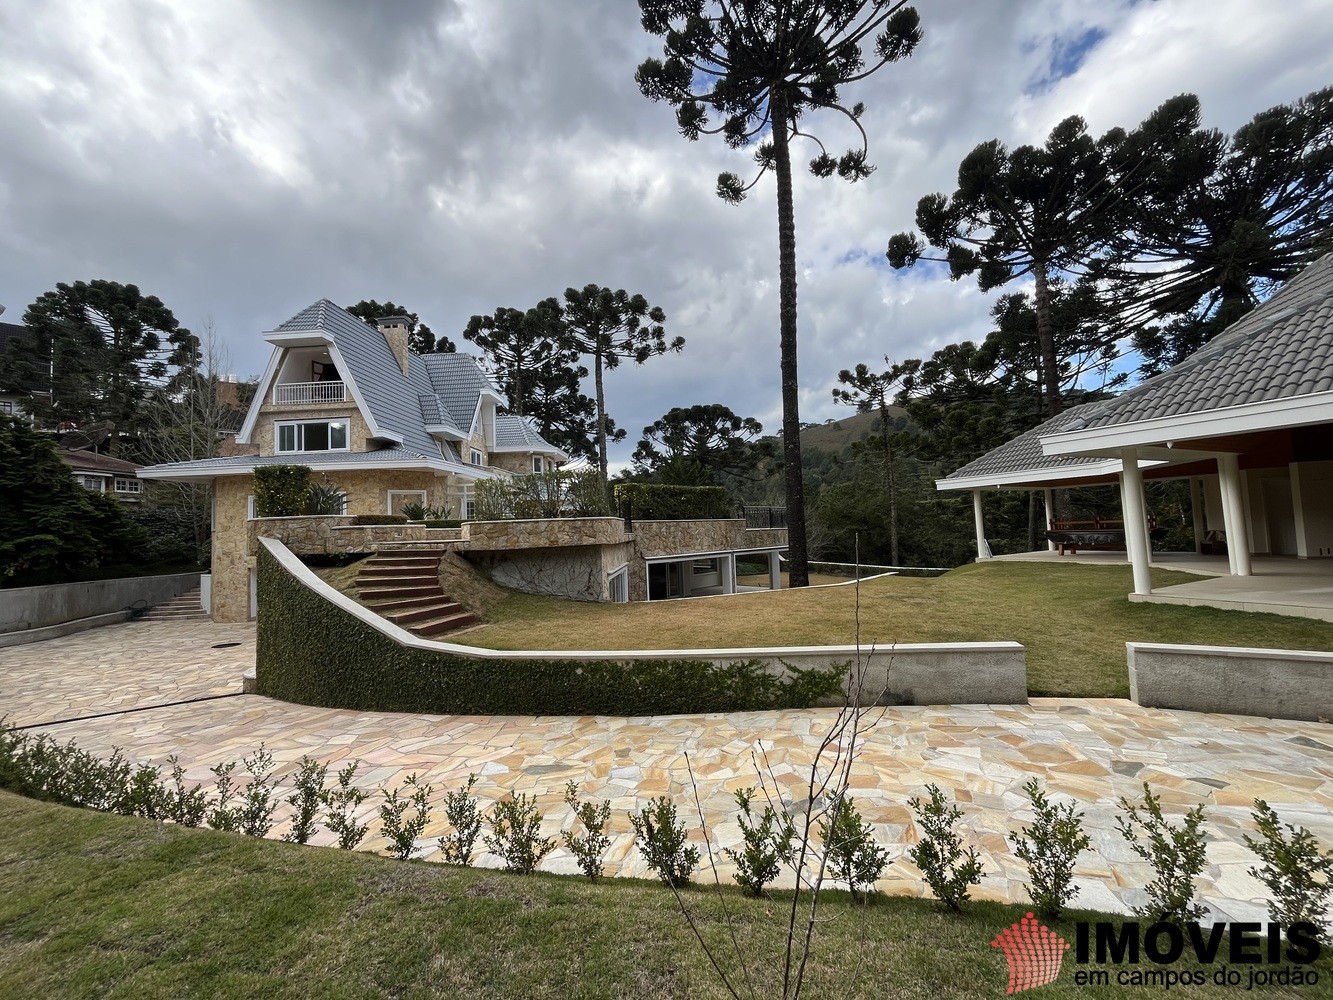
x,y
1098,533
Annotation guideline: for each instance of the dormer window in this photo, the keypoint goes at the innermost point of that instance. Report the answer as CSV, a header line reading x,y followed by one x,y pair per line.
x,y
478,458
311,435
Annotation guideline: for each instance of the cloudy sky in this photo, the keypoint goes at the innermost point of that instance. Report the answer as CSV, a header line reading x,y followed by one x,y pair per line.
x,y
241,160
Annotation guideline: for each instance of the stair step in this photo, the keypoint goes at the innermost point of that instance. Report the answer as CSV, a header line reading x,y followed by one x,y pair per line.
x,y
415,580
389,593
401,558
446,624
440,609
367,571
403,604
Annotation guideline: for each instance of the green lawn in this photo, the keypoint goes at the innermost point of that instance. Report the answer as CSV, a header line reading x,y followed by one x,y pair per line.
x,y
1073,619
102,906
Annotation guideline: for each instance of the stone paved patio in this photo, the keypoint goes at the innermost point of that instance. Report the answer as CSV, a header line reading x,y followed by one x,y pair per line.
x,y
1093,750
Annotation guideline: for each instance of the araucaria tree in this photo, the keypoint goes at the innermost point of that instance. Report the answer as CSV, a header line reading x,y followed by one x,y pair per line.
x,y
97,349
759,68
867,391
420,338
707,434
611,326
1043,211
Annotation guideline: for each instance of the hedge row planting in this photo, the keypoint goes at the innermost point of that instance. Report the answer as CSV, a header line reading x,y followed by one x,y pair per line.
x,y
654,502
362,520
314,653
281,490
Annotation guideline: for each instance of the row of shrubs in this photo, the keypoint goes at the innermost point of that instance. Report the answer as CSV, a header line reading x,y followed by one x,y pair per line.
x,y
1292,864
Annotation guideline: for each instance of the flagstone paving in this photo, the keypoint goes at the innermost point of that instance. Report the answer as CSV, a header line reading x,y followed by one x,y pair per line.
x,y
1094,751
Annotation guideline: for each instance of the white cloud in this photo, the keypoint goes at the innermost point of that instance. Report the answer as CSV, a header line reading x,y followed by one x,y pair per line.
x,y
244,159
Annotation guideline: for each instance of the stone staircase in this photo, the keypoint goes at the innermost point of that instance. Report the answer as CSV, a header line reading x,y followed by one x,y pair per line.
x,y
404,587
185,608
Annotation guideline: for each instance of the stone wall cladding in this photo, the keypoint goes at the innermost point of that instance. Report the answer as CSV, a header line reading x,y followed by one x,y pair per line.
x,y
541,534
517,462
232,557
358,430
574,573
655,539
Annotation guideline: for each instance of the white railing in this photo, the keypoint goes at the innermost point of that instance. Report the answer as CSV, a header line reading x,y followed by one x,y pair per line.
x,y
298,393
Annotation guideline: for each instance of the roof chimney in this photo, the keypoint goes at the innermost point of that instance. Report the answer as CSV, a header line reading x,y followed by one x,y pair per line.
x,y
394,329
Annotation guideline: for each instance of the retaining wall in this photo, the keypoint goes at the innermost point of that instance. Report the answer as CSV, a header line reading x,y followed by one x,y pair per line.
x,y
1274,683
24,608
920,674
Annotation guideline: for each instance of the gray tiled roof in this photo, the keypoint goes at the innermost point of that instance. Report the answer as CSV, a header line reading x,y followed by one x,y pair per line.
x,y
1024,454
440,389
1284,348
518,432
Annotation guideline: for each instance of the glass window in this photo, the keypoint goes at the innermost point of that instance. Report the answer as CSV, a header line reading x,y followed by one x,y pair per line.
x,y
536,463
322,435
478,458
128,486
6,407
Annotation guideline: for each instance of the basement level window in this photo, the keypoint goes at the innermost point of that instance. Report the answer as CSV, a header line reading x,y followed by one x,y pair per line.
x,y
316,435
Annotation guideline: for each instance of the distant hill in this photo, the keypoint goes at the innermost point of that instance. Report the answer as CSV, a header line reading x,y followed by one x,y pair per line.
x,y
836,435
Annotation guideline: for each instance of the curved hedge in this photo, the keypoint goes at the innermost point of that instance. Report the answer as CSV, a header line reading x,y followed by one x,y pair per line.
x,y
312,652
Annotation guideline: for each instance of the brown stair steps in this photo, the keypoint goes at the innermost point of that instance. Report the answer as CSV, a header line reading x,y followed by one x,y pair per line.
x,y
392,593
440,608
399,580
380,607
446,624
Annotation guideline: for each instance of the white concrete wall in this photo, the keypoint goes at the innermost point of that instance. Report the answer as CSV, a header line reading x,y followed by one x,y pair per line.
x,y
37,607
1312,503
1274,683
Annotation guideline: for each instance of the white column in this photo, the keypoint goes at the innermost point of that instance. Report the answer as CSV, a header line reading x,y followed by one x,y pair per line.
x,y
1049,497
728,566
774,572
1136,520
983,550
1233,512
1124,520
1196,508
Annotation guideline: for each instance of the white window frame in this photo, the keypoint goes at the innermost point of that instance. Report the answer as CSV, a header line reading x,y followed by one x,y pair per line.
x,y
537,464
478,457
93,484
617,585
300,448
6,407
250,514
389,495
131,485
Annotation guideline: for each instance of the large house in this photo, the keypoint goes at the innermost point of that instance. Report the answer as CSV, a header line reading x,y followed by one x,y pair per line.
x,y
98,473
387,428
1247,420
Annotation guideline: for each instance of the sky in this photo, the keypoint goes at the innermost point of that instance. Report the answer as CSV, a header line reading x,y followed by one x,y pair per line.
x,y
241,160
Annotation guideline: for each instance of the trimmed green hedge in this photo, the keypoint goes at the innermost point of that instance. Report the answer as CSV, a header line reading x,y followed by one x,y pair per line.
x,y
281,490
314,653
445,523
368,519
655,502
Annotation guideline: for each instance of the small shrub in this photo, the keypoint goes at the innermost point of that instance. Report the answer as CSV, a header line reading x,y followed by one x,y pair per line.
x,y
147,799
324,500
460,809
432,522
281,490
342,802
949,870
515,837
768,843
414,511
365,520
1049,847
852,854
588,847
1176,854
660,838
258,803
186,806
403,832
1296,870
309,792
222,815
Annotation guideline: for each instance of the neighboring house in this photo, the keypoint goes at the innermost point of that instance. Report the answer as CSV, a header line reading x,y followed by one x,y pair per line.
x,y
387,428
14,404
104,474
1247,420
384,426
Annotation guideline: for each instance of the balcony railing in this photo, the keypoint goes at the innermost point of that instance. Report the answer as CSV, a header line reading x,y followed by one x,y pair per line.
x,y
765,517
305,393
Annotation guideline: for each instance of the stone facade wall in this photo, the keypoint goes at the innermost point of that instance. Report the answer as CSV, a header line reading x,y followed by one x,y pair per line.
x,y
358,431
666,538
534,534
232,559
575,573
517,462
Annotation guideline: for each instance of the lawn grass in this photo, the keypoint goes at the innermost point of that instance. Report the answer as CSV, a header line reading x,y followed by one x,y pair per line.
x,y
102,906
1073,619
